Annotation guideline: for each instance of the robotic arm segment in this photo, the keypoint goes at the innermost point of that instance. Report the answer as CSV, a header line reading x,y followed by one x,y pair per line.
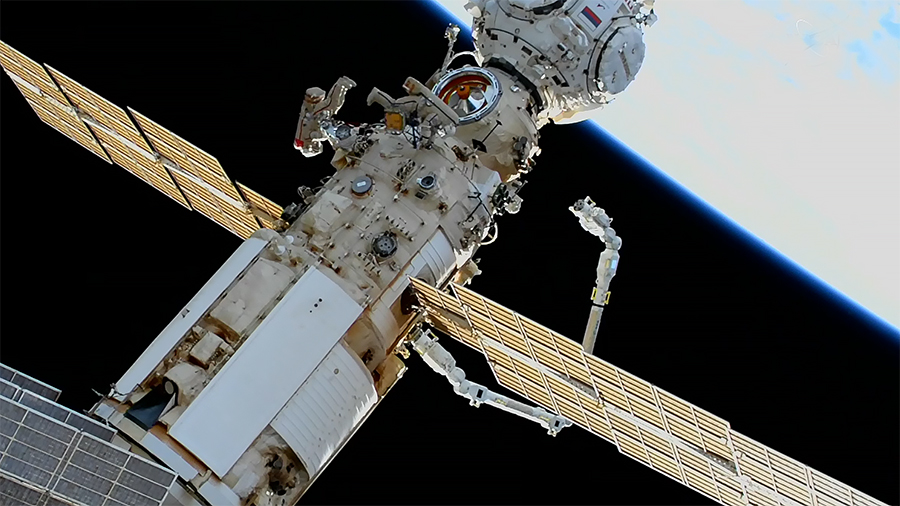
x,y
316,112
414,87
440,360
595,220
451,33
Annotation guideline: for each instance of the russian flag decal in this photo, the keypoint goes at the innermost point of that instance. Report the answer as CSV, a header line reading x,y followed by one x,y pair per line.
x,y
593,18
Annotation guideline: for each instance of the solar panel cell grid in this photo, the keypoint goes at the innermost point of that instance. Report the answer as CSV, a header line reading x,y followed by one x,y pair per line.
x,y
25,471
45,427
8,390
122,152
46,99
206,167
85,425
150,472
29,70
8,427
52,410
47,444
53,456
16,494
128,496
271,208
46,407
33,456
52,501
142,485
78,492
660,430
87,480
100,109
95,465
64,124
61,102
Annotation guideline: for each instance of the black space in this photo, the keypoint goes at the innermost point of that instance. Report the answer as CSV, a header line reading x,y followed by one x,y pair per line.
x,y
95,262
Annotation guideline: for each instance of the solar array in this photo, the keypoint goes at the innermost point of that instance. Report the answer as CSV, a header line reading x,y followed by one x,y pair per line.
x,y
177,168
260,202
26,382
46,99
658,429
44,461
55,411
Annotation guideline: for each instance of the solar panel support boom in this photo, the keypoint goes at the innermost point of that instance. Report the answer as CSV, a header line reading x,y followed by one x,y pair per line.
x,y
440,360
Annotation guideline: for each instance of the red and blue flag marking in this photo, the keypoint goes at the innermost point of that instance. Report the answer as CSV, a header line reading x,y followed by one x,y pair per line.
x,y
593,18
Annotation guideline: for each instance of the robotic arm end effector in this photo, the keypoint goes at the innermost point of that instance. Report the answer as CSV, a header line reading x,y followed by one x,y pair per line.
x,y
318,108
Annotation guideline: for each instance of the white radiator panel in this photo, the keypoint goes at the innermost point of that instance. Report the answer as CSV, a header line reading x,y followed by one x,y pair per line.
x,y
320,417
278,357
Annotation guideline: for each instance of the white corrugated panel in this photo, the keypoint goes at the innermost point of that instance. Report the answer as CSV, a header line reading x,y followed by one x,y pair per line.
x,y
176,329
320,417
438,256
244,397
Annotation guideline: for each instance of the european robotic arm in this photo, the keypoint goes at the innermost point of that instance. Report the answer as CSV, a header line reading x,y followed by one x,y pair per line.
x,y
595,220
316,112
440,360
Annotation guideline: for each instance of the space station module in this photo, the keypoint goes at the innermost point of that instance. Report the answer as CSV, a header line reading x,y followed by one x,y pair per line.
x,y
261,379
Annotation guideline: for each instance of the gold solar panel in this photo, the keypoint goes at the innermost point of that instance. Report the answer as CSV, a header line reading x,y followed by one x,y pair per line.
x,y
188,157
265,205
184,172
48,102
100,109
210,205
201,178
650,425
119,136
29,70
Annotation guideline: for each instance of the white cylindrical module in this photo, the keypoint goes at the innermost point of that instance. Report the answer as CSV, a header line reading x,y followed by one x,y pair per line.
x,y
316,430
437,259
495,110
433,263
574,55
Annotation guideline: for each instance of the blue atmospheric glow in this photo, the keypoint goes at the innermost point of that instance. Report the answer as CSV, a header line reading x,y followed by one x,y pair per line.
x,y
749,237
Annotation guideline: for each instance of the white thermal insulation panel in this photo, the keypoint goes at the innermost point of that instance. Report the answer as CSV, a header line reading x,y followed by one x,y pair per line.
x,y
178,327
278,357
322,415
